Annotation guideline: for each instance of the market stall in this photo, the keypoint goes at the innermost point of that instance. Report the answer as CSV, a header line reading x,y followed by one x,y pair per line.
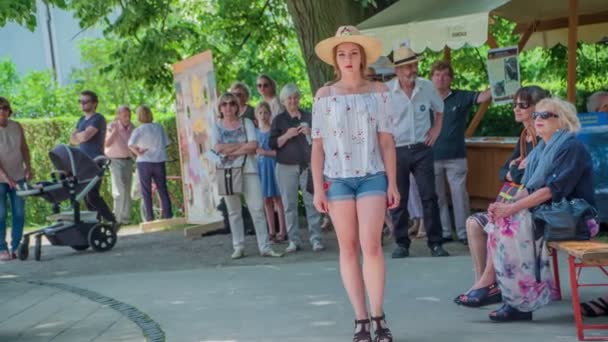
x,y
453,24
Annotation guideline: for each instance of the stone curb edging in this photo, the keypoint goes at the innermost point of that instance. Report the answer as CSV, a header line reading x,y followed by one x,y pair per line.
x,y
151,330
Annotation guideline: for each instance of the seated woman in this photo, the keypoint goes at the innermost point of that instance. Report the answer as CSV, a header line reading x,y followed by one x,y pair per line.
x,y
559,167
485,291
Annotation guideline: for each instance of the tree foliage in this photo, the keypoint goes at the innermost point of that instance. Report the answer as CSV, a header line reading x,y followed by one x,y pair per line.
x,y
143,38
23,12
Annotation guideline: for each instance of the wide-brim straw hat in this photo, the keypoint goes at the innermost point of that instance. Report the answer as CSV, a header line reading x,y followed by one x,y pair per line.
x,y
349,34
403,56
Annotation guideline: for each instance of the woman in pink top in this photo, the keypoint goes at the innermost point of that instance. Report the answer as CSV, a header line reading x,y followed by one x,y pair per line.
x,y
121,167
354,171
15,169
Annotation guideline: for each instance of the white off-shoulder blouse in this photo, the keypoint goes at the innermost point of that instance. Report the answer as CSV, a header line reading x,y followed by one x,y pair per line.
x,y
349,126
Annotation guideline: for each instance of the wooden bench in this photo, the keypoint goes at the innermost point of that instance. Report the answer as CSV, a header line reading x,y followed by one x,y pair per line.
x,y
581,254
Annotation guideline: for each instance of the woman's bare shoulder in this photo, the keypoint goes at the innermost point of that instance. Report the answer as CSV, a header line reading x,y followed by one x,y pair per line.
x,y
322,92
378,86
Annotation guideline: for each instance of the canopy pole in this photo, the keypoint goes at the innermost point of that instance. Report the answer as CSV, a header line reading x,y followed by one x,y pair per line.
x,y
483,108
572,39
525,37
447,54
491,40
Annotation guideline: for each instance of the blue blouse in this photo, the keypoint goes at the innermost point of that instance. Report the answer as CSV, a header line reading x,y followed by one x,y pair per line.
x,y
571,173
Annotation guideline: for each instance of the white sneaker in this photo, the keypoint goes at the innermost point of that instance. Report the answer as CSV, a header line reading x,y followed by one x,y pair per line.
x,y
317,246
271,253
238,253
292,247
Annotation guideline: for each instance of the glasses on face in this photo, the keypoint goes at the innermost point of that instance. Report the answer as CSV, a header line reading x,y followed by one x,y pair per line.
x,y
229,103
5,107
238,94
521,105
263,85
84,101
544,115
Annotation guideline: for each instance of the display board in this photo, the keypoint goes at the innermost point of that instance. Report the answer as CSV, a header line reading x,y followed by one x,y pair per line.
x,y
196,99
503,73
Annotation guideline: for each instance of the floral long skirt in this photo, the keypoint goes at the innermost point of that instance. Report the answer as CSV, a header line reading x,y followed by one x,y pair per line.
x,y
523,272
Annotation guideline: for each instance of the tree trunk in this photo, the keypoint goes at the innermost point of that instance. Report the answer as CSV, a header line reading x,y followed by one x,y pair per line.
x,y
316,20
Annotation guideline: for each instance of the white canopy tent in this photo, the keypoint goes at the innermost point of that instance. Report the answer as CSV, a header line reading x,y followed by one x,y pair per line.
x,y
435,24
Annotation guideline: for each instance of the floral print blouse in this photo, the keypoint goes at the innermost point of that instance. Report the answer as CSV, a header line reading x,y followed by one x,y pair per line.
x,y
348,125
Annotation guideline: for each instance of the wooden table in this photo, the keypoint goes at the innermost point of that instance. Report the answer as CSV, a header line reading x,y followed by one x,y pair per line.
x,y
486,155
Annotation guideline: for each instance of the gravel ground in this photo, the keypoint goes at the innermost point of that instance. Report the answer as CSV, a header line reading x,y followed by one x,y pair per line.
x,y
170,250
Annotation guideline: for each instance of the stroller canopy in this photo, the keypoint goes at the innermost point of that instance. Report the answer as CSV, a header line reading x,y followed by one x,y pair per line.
x,y
74,162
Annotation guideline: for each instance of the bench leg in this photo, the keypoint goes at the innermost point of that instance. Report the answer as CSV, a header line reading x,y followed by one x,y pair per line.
x,y
576,300
558,286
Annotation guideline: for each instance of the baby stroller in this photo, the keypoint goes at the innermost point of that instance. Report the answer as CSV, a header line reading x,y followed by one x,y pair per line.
x,y
74,176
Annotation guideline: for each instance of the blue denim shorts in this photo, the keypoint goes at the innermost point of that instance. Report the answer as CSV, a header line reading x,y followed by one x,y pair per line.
x,y
356,187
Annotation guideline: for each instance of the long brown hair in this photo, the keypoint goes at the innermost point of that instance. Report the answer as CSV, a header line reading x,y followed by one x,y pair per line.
x,y
363,62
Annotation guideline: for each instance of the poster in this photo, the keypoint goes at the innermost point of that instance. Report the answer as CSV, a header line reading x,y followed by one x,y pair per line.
x,y
594,134
503,73
196,98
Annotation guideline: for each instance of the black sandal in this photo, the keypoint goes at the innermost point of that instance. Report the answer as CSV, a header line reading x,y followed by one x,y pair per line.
x,y
587,309
480,297
362,331
382,332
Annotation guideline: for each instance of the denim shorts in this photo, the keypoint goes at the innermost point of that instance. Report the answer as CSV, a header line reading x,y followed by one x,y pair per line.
x,y
356,187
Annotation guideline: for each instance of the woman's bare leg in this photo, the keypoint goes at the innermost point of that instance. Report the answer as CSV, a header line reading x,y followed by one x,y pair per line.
x,y
269,210
370,214
477,246
344,217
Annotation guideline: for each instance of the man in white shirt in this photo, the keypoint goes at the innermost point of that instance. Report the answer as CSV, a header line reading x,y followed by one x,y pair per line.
x,y
413,99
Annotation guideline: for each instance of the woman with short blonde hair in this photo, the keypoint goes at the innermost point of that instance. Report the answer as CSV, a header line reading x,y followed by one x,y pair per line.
x,y
566,113
144,114
235,141
149,143
559,168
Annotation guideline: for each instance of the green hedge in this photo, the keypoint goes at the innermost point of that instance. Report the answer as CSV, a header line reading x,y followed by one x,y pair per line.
x,y
43,134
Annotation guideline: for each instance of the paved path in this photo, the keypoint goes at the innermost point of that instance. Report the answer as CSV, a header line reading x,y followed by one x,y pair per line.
x,y
33,312
195,293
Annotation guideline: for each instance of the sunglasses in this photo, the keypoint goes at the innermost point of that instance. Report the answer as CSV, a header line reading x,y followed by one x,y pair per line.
x,y
522,105
229,103
84,101
5,107
263,85
544,115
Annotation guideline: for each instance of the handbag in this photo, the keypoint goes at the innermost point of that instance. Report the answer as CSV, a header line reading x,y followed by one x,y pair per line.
x,y
564,220
229,180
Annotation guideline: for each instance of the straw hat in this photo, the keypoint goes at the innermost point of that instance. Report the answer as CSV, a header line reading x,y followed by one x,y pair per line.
x,y
403,55
348,34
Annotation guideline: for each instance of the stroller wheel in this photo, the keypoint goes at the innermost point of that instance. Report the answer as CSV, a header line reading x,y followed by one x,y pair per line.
x,y
102,237
23,250
80,248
